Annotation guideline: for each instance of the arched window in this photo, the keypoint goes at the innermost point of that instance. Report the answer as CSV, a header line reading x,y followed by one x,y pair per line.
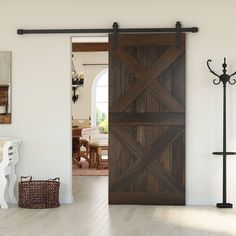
x,y
100,101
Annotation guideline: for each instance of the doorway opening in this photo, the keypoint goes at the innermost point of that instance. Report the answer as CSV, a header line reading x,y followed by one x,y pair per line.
x,y
90,106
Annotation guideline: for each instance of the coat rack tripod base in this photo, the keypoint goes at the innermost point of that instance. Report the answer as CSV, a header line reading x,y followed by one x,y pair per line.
x,y
224,205
224,78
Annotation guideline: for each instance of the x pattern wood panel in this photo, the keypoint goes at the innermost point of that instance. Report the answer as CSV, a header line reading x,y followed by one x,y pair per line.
x,y
146,79
147,159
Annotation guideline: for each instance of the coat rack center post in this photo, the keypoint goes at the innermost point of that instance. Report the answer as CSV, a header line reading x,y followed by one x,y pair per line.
x,y
224,78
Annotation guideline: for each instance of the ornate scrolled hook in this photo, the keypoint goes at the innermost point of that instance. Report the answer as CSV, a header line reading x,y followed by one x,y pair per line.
x,y
234,80
208,61
216,83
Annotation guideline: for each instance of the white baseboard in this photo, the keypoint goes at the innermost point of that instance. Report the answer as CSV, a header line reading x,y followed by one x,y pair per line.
x,y
197,202
66,199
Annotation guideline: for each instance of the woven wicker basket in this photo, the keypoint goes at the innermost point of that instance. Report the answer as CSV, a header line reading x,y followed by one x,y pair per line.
x,y
38,194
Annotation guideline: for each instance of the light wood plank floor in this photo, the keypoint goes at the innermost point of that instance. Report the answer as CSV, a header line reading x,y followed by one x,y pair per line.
x,y
91,215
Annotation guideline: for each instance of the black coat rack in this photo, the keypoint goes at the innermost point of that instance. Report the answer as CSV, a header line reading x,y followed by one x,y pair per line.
x,y
224,78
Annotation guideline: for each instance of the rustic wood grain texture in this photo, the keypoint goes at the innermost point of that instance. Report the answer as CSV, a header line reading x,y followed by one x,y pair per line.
x,y
5,119
144,158
147,119
89,47
146,78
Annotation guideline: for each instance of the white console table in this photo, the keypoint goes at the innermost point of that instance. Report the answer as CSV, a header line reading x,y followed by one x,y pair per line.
x,y
8,160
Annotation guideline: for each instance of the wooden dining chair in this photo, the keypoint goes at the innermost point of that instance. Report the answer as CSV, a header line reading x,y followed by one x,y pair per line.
x,y
76,151
84,144
95,154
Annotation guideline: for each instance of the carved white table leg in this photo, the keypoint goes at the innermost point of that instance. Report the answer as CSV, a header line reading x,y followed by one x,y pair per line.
x,y
11,188
12,176
9,158
3,184
3,181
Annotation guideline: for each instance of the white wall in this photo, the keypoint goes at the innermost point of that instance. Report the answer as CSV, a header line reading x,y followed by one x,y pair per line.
x,y
81,109
41,72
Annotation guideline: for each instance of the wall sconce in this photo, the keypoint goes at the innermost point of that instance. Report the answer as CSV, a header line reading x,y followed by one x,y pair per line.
x,y
77,81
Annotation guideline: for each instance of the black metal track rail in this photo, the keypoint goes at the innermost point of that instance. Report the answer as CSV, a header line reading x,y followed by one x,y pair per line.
x,y
177,29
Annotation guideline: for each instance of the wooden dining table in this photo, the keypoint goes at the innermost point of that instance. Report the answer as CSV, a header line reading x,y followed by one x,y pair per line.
x,y
81,136
84,131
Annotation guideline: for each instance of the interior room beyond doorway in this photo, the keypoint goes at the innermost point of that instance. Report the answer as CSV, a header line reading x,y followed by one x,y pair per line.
x,y
90,105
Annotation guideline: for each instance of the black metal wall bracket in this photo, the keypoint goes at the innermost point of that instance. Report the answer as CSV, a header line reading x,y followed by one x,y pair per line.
x,y
74,96
178,31
224,78
115,34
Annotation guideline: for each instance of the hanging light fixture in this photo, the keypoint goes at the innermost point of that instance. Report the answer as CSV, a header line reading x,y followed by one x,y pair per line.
x,y
77,81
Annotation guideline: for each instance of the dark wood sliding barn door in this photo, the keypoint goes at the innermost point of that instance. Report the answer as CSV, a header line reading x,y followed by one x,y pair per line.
x,y
146,119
